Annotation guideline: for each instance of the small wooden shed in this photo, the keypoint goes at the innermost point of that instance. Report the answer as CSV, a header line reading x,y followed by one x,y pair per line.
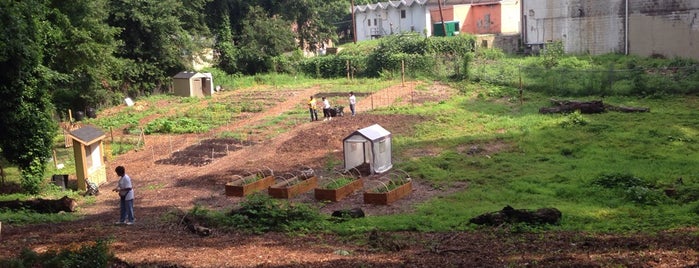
x,y
89,156
192,84
370,145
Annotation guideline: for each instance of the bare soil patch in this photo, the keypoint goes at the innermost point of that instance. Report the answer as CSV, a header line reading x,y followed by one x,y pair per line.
x,y
181,171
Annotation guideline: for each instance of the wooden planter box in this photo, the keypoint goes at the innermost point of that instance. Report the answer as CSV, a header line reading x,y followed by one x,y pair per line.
x,y
338,194
297,187
390,196
239,188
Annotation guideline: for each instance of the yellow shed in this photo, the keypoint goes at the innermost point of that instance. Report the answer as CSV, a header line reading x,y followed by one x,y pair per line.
x,y
89,156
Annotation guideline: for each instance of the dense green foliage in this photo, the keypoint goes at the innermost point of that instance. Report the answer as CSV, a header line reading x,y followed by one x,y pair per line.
x,y
95,254
27,132
160,38
414,53
569,75
253,35
260,213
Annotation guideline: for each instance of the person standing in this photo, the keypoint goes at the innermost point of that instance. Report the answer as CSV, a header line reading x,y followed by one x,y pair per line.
x,y
352,101
126,195
326,110
313,109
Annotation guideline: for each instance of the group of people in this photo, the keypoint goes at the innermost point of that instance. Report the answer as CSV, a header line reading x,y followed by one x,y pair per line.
x,y
327,115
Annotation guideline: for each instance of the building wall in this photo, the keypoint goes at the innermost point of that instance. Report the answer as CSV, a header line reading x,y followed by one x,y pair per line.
x,y
181,87
509,43
80,164
584,26
483,19
669,28
388,21
510,17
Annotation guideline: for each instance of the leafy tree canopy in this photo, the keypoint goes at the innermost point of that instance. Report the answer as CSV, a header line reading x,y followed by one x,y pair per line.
x,y
26,123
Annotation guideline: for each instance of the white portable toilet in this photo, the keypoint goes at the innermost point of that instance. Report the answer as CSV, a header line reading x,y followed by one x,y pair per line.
x,y
370,145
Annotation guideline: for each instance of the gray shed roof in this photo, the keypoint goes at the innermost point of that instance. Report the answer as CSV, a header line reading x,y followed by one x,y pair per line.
x,y
373,133
87,135
185,75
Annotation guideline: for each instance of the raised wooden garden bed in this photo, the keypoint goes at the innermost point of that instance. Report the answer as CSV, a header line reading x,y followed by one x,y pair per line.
x,y
249,184
338,194
377,197
289,188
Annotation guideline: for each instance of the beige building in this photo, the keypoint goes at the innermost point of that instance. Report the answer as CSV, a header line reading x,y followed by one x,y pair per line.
x,y
639,27
193,84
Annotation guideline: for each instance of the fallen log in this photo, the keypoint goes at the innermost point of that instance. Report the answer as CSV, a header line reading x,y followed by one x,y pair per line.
x,y
40,205
587,107
510,215
625,109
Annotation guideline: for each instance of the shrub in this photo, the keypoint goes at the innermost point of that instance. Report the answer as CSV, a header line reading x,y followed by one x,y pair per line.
x,y
644,195
574,119
260,213
618,180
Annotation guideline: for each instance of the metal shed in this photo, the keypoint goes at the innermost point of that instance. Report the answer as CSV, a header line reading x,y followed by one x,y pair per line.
x,y
192,84
371,145
89,156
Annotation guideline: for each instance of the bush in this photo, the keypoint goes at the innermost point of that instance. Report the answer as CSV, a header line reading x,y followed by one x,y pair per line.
x,y
260,213
644,195
618,180
574,119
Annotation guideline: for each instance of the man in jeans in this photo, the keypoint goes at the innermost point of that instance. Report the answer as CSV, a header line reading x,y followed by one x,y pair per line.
x,y
125,190
313,108
352,101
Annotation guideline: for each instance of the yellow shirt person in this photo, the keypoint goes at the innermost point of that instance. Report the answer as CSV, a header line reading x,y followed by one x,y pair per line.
x,y
313,108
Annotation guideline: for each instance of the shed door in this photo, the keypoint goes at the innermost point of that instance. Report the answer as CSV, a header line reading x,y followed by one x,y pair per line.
x,y
382,157
357,151
198,87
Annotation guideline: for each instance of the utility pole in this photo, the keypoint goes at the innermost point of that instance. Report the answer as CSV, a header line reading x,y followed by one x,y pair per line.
x,y
441,17
354,25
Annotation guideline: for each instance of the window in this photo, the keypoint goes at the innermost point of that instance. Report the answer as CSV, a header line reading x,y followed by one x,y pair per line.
x,y
402,14
375,22
368,22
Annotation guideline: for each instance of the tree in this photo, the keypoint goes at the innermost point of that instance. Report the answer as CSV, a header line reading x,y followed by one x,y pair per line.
x,y
160,38
27,128
259,28
225,47
80,54
261,39
314,19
